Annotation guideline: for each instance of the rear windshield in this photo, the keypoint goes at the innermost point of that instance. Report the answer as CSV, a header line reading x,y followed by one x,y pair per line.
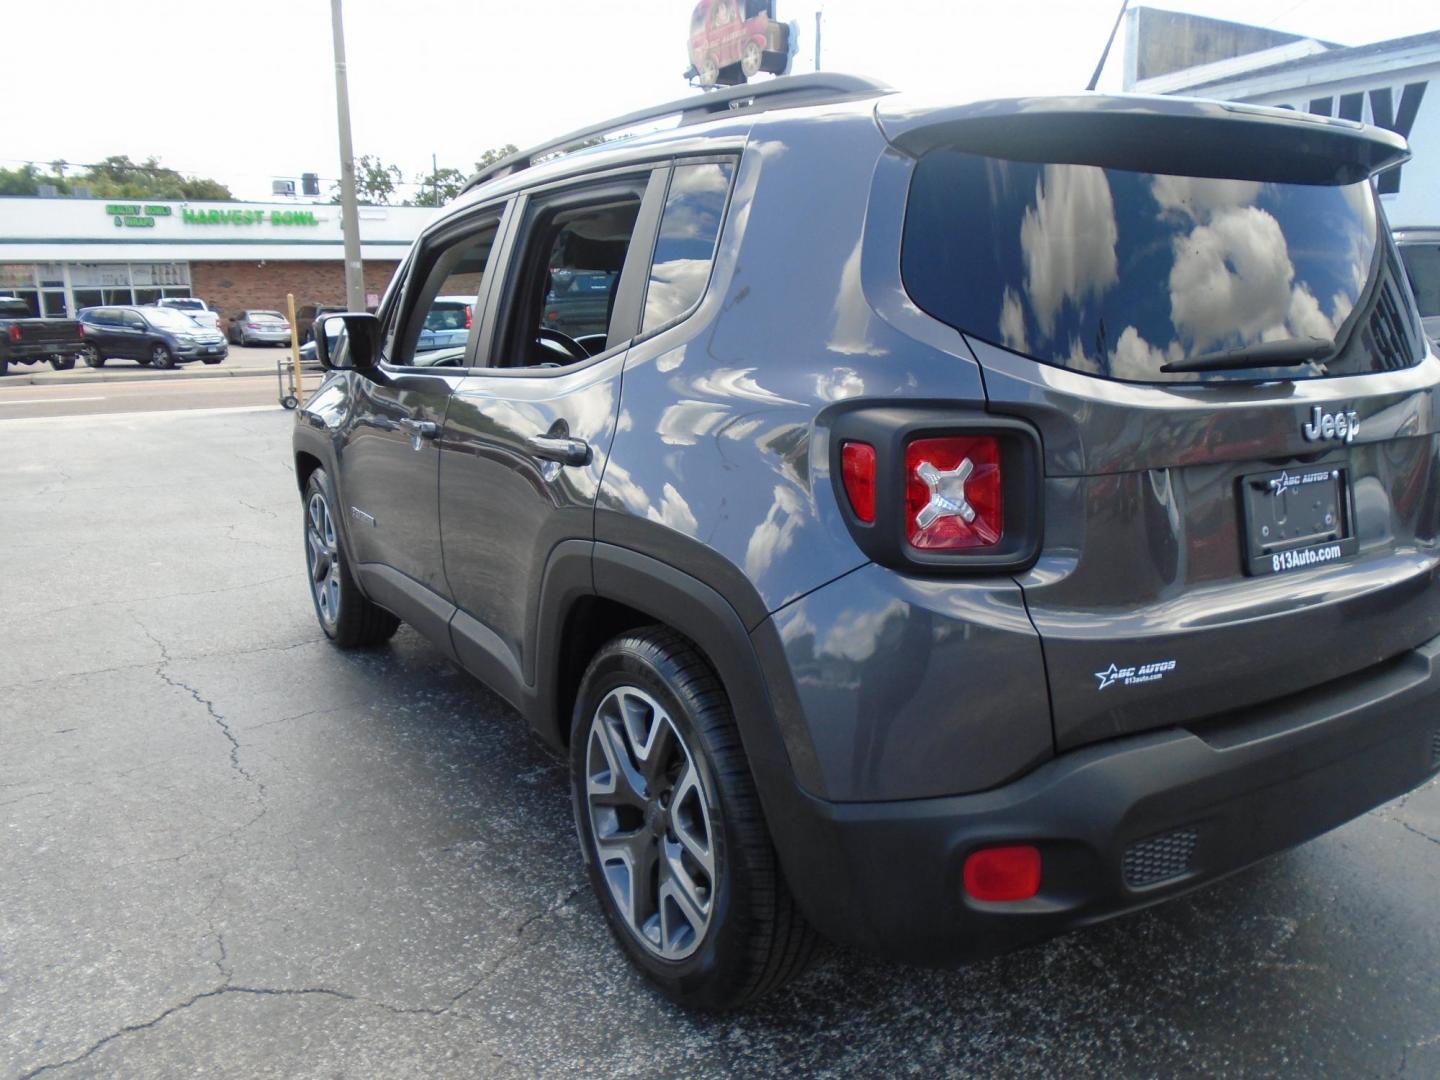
x,y
1118,273
188,305
1422,263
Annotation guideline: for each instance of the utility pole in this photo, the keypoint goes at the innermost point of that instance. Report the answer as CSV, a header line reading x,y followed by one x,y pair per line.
x,y
349,214
817,41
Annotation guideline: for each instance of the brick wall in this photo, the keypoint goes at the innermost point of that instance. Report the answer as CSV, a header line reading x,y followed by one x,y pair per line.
x,y
238,286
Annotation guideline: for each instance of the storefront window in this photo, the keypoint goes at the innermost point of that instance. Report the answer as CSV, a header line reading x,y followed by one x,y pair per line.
x,y
146,296
88,298
16,276
54,303
50,274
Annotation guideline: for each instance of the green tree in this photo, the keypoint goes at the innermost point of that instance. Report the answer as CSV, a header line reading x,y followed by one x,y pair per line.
x,y
439,187
22,181
489,157
117,177
375,182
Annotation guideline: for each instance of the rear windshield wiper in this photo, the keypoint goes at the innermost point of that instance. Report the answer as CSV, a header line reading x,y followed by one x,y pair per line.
x,y
1287,352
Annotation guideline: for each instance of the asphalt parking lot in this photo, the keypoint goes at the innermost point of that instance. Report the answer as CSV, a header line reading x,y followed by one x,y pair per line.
x,y
230,850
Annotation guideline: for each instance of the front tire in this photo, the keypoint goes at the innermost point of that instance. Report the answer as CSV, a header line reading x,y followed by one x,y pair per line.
x,y
162,357
671,827
346,616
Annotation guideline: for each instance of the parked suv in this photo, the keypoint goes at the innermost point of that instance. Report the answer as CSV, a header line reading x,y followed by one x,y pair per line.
x,y
151,336
1040,525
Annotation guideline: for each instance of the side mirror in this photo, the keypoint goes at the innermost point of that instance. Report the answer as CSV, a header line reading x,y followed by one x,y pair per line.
x,y
348,342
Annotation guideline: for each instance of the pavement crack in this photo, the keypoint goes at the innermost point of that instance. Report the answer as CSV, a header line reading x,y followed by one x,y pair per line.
x,y
518,946
210,709
219,991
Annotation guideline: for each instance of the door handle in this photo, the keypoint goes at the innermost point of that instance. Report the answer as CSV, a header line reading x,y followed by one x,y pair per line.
x,y
565,450
423,429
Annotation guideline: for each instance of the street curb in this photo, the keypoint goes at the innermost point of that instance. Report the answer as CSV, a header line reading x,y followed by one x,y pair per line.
x,y
74,378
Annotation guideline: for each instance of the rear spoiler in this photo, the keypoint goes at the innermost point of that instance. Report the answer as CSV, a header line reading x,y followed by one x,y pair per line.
x,y
1179,136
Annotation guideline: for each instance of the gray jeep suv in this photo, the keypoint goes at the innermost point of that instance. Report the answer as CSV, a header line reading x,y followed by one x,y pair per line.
x,y
973,522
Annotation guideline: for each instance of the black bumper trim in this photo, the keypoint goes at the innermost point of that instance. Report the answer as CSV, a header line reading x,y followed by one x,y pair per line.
x,y
887,876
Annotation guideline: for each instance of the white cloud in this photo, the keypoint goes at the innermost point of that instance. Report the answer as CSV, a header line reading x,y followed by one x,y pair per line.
x,y
1136,360
1068,239
1012,322
1230,276
1199,198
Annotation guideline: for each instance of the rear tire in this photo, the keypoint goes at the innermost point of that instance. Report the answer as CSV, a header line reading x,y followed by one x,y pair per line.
x,y
62,363
4,367
672,830
346,616
91,355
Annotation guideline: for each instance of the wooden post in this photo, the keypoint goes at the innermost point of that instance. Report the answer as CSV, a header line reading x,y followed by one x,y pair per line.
x,y
295,351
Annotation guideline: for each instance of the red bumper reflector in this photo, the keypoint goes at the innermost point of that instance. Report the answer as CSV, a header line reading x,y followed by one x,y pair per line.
x,y
999,874
857,464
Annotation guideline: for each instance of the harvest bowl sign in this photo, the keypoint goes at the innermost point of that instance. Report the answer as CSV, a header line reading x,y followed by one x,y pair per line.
x,y
143,215
248,217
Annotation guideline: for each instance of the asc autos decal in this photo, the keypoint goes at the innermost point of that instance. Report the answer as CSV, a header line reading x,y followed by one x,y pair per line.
x,y
1135,674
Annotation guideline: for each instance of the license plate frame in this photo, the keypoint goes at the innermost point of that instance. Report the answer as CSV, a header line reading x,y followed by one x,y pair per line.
x,y
1297,519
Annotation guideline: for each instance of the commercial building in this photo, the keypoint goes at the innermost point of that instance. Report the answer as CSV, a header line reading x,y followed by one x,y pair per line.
x,y
62,254
1387,83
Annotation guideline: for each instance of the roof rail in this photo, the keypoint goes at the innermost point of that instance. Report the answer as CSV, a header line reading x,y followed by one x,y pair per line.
x,y
790,91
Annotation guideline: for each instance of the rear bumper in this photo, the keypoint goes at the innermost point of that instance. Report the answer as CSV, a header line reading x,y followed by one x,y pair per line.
x,y
1120,825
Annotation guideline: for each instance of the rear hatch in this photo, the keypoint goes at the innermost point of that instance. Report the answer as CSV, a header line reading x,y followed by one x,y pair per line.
x,y
1201,310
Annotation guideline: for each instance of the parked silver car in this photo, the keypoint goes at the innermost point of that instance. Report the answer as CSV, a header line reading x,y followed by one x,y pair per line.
x,y
259,328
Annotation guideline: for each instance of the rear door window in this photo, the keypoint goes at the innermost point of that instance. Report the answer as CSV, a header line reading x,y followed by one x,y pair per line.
x,y
1136,276
685,247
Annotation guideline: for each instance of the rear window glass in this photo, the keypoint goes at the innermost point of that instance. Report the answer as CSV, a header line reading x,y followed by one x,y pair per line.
x,y
685,248
1118,273
1422,263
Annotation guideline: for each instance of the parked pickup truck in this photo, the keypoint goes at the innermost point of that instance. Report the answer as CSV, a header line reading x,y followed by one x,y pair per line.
x,y
28,340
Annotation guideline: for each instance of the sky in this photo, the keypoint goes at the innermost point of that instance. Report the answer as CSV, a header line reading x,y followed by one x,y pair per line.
x,y
244,92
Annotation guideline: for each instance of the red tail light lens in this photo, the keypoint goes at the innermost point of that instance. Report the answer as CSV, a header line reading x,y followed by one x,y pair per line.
x,y
468,316
857,467
953,494
1001,874
14,331
82,328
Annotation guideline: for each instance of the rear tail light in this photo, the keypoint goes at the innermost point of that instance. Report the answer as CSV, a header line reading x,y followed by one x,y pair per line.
x,y
14,331
1003,874
82,328
939,490
858,469
468,317
953,494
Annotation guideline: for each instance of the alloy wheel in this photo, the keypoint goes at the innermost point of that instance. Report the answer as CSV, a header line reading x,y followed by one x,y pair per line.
x,y
650,823
322,556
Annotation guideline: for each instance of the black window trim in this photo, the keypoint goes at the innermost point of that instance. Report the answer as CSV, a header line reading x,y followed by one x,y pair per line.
x,y
699,159
395,306
653,177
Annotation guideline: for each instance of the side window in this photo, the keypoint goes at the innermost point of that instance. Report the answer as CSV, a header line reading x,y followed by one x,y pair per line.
x,y
685,248
134,321
442,309
566,275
